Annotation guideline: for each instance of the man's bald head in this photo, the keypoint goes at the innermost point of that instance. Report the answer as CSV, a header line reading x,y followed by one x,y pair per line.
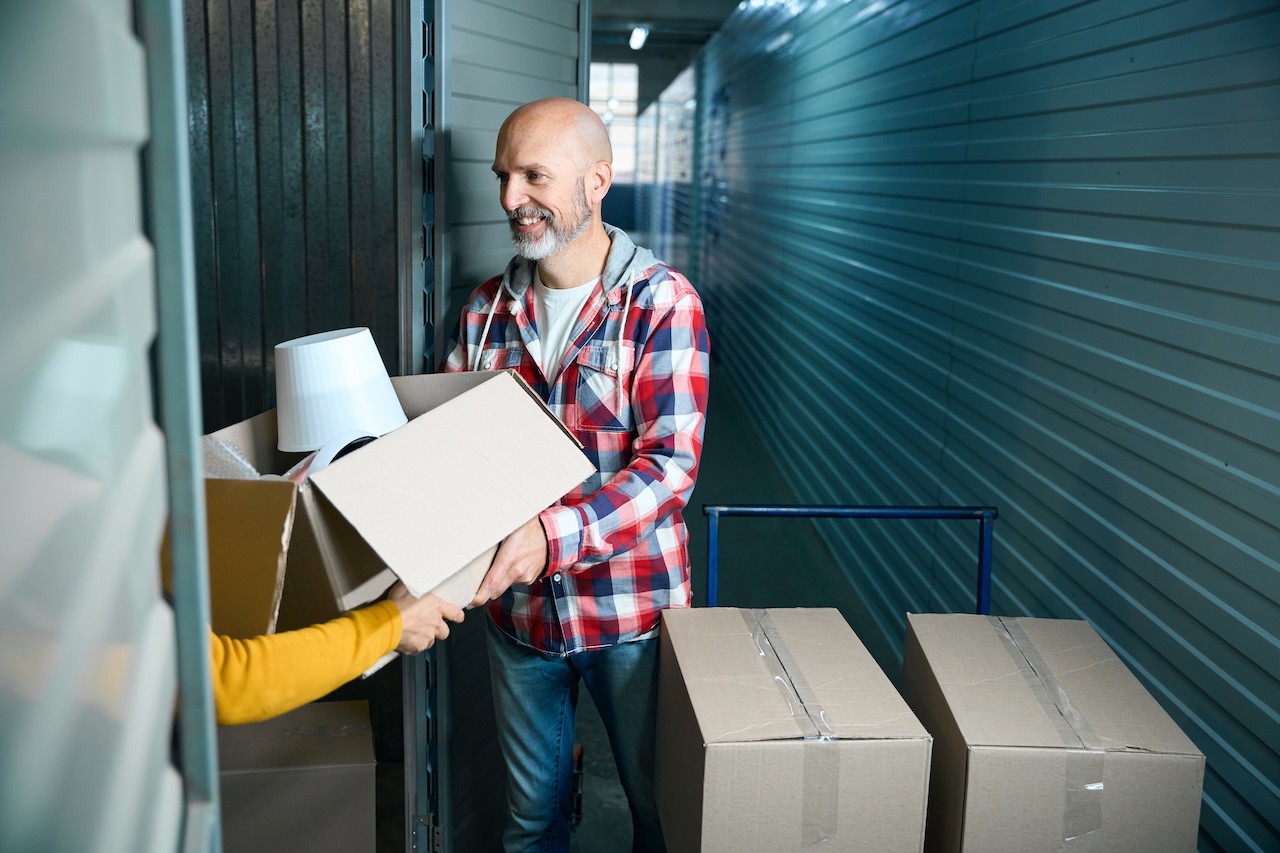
x,y
554,167
562,122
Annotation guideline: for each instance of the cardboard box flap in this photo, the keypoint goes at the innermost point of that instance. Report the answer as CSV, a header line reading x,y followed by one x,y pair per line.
x,y
857,699
992,693
542,405
243,450
730,686
417,397
775,675
433,495
1101,696
1041,683
249,527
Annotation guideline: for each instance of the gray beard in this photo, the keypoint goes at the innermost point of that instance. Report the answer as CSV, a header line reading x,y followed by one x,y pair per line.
x,y
558,235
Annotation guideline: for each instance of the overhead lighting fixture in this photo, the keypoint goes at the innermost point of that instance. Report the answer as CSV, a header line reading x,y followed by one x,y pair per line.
x,y
638,35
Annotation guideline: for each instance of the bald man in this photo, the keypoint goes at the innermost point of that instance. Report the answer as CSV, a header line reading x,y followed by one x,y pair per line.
x,y
616,343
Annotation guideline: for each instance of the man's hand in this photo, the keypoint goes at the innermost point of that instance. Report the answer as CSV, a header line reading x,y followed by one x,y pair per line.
x,y
521,558
422,620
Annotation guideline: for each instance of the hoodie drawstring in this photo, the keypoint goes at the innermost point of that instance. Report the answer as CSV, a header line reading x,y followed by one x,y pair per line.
x,y
617,344
617,353
484,336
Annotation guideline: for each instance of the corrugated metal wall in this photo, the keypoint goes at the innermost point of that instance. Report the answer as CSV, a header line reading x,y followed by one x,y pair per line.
x,y
1026,254
504,53
500,54
673,160
87,653
648,224
295,171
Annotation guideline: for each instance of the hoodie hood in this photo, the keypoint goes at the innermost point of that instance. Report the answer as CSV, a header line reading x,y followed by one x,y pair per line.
x,y
626,263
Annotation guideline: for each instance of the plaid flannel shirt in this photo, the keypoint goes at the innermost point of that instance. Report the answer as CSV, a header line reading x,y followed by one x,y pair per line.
x,y
633,389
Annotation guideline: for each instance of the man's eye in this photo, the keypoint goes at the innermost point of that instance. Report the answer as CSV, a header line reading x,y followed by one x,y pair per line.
x,y
534,176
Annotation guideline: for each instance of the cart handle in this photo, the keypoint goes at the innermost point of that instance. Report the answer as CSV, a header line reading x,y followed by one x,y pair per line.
x,y
984,515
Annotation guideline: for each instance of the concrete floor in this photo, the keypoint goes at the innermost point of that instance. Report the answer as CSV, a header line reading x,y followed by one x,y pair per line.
x,y
606,821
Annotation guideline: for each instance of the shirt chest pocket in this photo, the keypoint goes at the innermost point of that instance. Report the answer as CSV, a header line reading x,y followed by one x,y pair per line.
x,y
603,389
501,358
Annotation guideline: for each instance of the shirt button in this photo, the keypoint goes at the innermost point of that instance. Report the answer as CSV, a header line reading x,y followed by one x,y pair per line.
x,y
488,362
613,366
556,577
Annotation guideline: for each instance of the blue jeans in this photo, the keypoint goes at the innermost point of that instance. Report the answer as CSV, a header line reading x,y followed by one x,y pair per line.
x,y
534,698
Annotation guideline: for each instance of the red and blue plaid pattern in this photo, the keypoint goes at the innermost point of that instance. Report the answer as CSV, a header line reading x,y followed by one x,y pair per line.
x,y
618,546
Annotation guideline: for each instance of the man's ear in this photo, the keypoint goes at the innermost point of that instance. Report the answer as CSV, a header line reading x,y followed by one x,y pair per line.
x,y
599,179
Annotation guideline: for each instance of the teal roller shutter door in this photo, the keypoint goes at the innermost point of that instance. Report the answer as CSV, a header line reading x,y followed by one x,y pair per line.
x,y
1026,254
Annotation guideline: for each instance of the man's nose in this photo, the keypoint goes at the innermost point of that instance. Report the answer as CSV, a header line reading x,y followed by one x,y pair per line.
x,y
513,196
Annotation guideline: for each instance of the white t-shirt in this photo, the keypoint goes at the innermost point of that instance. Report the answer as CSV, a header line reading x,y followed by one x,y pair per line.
x,y
557,312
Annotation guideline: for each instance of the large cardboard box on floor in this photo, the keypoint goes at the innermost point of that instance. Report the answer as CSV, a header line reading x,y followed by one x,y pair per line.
x,y
304,781
428,503
778,731
1043,740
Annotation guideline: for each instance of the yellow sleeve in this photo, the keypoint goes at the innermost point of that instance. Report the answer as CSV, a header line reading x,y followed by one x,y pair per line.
x,y
258,679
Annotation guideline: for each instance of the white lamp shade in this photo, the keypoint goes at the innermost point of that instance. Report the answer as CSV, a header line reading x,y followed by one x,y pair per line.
x,y
331,384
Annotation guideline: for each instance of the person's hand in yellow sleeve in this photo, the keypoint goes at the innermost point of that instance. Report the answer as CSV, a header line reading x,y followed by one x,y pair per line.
x,y
422,620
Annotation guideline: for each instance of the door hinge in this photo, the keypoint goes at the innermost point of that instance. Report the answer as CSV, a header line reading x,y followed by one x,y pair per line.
x,y
428,834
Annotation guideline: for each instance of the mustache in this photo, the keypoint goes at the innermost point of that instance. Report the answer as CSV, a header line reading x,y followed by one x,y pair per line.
x,y
528,210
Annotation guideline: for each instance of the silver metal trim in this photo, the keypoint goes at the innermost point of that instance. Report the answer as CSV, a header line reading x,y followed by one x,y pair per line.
x,y
162,25
410,272
442,101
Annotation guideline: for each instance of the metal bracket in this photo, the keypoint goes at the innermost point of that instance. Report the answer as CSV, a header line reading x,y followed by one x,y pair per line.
x,y
428,831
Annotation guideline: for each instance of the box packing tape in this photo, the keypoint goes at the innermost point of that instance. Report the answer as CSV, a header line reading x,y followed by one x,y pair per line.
x,y
820,774
1083,782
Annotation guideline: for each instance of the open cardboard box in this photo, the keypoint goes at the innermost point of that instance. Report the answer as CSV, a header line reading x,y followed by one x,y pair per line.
x,y
1044,740
428,503
303,781
777,730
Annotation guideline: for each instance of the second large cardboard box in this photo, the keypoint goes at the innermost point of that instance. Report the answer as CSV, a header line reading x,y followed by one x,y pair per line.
x,y
427,503
778,731
1044,741
303,782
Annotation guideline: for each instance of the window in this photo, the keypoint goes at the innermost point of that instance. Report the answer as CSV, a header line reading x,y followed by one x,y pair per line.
x,y
615,88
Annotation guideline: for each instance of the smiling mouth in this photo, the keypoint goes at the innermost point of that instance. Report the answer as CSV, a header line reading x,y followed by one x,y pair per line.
x,y
525,218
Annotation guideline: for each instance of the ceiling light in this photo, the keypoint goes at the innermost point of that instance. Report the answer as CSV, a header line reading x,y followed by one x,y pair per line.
x,y
638,35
